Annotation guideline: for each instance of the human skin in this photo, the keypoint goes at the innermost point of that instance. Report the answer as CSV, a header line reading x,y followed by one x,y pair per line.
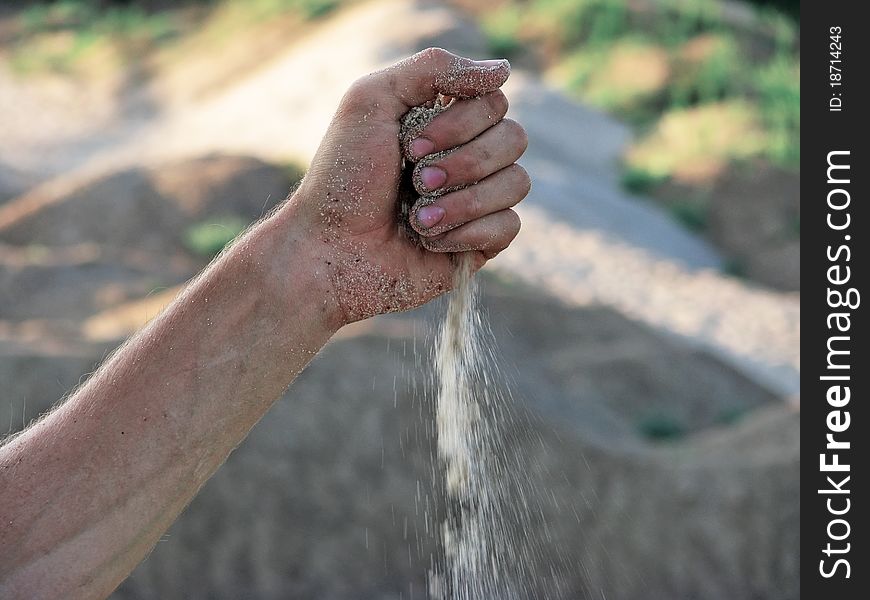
x,y
87,491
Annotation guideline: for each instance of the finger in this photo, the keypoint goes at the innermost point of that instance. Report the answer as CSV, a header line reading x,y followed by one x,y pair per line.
x,y
462,122
493,150
497,192
420,78
489,235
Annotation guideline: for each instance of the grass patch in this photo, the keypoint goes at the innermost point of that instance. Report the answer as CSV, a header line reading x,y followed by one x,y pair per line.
x,y
502,30
265,9
794,229
673,67
641,181
627,78
53,53
694,145
207,239
675,21
86,17
707,68
692,215
316,9
731,415
574,22
661,426
51,16
778,86
735,267
59,36
295,172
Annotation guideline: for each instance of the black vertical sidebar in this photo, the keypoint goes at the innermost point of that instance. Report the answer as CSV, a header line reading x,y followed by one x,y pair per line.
x,y
835,435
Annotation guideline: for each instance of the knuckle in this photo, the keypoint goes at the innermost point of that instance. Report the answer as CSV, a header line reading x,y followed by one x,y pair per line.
x,y
474,204
467,165
357,94
433,54
484,154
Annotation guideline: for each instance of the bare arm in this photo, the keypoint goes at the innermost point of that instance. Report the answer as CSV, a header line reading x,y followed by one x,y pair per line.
x,y
87,491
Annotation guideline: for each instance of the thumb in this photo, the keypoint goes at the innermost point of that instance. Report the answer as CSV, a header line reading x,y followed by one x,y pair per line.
x,y
419,78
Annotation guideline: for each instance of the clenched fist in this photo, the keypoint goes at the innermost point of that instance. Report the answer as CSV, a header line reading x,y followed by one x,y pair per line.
x,y
465,170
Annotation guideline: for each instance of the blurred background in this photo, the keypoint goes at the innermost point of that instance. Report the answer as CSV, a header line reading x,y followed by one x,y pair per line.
x,y
646,318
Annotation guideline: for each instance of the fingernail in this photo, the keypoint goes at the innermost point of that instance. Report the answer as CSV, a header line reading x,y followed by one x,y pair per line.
x,y
421,147
432,178
491,63
429,216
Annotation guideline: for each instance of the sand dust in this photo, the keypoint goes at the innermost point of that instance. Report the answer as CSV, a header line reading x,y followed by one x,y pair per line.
x,y
478,558
469,569
484,536
467,79
412,125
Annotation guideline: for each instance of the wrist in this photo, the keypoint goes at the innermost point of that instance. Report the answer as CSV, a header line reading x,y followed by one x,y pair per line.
x,y
298,271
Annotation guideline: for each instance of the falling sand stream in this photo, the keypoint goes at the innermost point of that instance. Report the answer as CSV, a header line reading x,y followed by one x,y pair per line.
x,y
483,519
474,533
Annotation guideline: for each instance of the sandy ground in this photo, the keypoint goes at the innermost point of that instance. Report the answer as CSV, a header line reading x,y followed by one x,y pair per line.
x,y
583,238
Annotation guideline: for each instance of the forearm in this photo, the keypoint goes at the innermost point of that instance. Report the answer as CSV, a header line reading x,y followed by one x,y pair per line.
x,y
79,504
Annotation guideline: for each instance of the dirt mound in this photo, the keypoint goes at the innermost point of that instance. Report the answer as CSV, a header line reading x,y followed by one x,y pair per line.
x,y
614,378
12,183
295,513
751,212
299,513
755,216
70,251
146,208
39,365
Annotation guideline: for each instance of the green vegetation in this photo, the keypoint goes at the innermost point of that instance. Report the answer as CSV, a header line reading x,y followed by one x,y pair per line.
x,y
628,78
707,68
209,238
314,9
671,67
661,426
500,29
62,36
640,181
695,144
295,172
693,215
88,17
264,9
58,36
795,228
735,268
731,416
778,86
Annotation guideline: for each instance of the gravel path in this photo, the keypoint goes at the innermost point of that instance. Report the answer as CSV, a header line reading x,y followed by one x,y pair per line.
x,y
583,238
587,241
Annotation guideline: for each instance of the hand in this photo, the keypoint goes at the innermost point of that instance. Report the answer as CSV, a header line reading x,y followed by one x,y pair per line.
x,y
348,200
